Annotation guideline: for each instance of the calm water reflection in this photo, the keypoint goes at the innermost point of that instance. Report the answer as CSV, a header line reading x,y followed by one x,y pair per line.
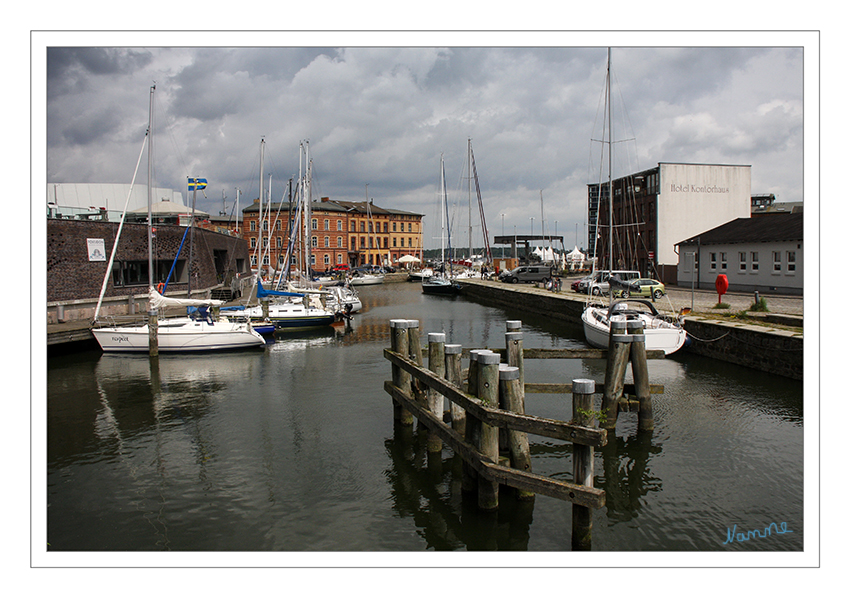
x,y
293,448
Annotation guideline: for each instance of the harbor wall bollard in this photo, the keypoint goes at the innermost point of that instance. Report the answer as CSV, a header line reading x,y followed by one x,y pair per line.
x,y
437,364
401,379
453,375
582,463
153,333
615,371
488,443
640,373
511,392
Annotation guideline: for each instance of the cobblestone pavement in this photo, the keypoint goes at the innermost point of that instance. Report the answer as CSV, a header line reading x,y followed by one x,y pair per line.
x,y
705,300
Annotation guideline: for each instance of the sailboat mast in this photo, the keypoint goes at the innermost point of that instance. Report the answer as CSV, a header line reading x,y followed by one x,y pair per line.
x,y
150,193
442,213
469,172
260,219
610,176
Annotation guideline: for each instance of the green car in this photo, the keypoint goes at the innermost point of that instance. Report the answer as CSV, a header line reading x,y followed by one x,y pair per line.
x,y
648,288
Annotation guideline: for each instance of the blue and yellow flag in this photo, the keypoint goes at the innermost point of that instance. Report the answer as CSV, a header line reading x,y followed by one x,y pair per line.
x,y
196,183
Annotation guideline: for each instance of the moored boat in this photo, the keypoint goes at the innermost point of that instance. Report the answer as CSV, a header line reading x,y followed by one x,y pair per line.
x,y
662,332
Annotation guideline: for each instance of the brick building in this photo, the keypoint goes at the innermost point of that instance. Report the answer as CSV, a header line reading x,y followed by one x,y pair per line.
x,y
78,252
341,232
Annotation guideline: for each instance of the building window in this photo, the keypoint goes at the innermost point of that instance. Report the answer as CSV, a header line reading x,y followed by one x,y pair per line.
x,y
410,242
352,226
327,241
327,260
777,261
410,227
339,225
312,259
280,242
362,227
339,241
314,241
353,243
394,229
791,258
385,226
327,224
338,258
742,261
722,260
265,225
754,261
394,242
712,258
314,223
253,226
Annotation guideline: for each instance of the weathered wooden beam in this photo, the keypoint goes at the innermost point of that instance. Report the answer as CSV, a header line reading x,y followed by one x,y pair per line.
x,y
540,426
485,467
535,353
554,388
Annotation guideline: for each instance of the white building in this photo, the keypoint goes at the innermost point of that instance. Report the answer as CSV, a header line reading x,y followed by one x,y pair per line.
x,y
762,253
68,200
657,208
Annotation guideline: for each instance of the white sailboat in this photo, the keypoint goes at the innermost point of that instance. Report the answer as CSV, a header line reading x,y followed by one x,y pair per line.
x,y
200,331
439,283
662,332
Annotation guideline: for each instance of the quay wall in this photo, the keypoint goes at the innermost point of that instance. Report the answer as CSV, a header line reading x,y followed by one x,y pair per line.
x,y
770,350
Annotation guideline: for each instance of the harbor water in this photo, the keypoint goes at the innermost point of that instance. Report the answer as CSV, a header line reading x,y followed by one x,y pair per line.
x,y
293,448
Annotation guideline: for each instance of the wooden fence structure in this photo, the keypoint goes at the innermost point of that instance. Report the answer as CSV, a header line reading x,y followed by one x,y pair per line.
x,y
487,424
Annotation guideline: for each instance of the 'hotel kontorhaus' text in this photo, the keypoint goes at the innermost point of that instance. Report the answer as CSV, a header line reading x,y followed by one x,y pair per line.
x,y
674,188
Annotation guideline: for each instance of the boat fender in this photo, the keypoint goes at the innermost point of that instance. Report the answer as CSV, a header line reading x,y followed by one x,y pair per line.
x,y
160,287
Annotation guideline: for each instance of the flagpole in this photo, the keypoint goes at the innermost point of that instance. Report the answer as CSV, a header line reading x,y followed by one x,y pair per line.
x,y
192,235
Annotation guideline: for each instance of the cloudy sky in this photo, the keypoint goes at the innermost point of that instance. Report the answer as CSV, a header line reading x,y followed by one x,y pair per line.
x,y
382,114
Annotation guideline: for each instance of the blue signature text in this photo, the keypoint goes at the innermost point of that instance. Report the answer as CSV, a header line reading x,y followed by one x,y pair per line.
x,y
773,528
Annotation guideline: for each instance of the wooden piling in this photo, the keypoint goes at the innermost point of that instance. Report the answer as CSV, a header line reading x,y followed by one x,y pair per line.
x,y
582,462
399,344
153,333
514,351
437,364
453,375
488,443
512,394
415,348
640,373
615,372
469,481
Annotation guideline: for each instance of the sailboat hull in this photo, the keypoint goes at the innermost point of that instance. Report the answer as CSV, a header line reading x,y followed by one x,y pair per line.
x,y
660,335
439,286
180,335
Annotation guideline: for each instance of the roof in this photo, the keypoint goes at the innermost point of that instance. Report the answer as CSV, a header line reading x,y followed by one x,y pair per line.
x,y
763,229
332,205
161,208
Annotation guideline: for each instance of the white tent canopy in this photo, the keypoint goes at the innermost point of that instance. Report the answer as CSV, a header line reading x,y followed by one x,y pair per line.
x,y
406,259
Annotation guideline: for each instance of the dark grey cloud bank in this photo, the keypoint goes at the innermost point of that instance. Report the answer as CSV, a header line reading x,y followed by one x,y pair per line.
x,y
383,116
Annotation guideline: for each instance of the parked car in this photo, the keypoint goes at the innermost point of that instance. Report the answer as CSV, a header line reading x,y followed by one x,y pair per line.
x,y
539,273
649,287
580,284
598,282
